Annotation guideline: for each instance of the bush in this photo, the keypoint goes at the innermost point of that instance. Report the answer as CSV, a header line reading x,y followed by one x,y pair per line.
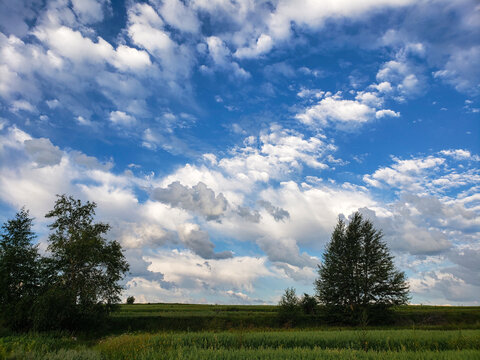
x,y
289,307
308,304
130,300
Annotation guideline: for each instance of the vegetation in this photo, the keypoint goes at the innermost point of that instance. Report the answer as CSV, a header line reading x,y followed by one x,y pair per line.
x,y
130,300
19,271
75,287
239,332
299,344
357,278
80,281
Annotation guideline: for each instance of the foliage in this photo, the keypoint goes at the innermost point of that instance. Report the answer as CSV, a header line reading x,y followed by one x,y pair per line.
x,y
84,268
19,280
358,272
289,307
130,300
329,344
308,304
74,287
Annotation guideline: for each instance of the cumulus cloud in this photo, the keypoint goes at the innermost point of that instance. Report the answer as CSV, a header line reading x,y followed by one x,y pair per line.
x,y
345,114
221,57
278,214
191,271
43,152
263,44
460,70
199,198
198,241
249,214
285,250
430,174
121,118
312,14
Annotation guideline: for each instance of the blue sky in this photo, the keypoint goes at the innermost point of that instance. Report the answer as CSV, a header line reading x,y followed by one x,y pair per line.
x,y
223,139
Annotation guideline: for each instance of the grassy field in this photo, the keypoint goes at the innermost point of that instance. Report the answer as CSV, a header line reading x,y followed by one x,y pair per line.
x,y
175,331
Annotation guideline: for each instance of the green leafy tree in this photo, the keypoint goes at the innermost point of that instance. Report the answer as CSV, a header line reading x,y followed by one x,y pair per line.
x,y
289,307
308,304
19,280
130,300
357,273
85,268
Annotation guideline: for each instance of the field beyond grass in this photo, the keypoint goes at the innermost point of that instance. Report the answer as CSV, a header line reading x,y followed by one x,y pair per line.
x,y
158,331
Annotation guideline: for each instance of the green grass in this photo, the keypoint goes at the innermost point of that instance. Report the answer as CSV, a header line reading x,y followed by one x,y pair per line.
x,y
178,331
294,344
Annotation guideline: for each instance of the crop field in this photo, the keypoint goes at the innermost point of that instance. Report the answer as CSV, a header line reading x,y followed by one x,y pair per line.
x,y
430,338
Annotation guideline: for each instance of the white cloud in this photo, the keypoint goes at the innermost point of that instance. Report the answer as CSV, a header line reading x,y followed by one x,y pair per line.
x,y
121,118
431,174
198,241
333,109
43,152
263,45
88,10
221,57
190,271
177,14
199,199
461,71
313,14
382,113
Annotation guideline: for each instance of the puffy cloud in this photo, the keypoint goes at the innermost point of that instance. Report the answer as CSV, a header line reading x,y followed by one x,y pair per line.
x,y
382,113
191,271
274,154
198,241
199,199
221,56
460,70
313,14
122,118
334,109
286,251
430,174
43,152
88,10
263,44
180,16
278,214
249,214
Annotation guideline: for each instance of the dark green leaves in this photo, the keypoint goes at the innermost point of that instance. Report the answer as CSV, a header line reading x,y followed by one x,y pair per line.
x,y
358,270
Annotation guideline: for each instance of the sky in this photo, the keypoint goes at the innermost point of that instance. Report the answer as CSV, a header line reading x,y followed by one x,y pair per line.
x,y
223,139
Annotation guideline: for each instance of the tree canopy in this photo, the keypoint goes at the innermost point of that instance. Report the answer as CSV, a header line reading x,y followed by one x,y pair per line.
x,y
75,285
19,270
358,270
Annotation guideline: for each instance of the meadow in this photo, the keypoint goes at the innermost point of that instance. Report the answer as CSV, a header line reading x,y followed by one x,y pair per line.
x,y
176,331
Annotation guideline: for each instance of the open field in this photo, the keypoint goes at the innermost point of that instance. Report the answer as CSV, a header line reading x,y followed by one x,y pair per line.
x,y
454,334
186,317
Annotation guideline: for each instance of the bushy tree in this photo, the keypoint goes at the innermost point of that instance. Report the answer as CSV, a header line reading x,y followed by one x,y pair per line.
x,y
19,271
85,268
308,304
357,272
289,306
130,300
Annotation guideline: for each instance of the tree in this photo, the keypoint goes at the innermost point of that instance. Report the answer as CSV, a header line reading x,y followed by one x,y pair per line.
x,y
19,280
289,306
308,304
130,300
86,267
357,272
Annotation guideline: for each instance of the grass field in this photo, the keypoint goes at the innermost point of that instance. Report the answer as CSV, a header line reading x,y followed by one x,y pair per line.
x,y
214,332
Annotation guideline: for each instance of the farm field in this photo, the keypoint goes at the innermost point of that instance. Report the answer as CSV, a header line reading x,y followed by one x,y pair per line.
x,y
430,338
